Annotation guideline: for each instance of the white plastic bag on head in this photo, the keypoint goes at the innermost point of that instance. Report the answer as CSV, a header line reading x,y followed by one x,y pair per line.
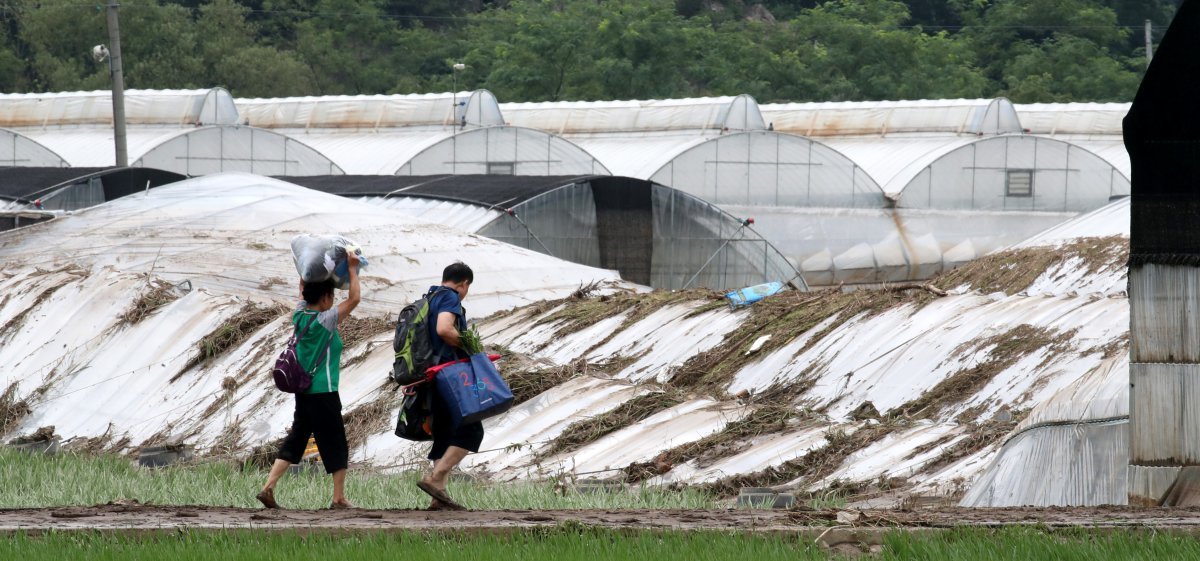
x,y
320,258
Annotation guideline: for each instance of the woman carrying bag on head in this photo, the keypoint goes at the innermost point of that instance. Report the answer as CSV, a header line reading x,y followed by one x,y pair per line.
x,y
319,409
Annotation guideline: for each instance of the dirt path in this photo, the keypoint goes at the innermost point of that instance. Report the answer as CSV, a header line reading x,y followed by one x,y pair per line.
x,y
148,517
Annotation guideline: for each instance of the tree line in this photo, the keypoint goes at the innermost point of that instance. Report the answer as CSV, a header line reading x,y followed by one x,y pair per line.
x,y
538,50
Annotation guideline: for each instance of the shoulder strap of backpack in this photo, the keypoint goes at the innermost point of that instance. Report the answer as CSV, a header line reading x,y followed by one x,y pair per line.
x,y
324,348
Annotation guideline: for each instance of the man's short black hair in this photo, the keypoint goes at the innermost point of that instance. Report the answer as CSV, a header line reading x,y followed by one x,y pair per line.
x,y
314,291
458,272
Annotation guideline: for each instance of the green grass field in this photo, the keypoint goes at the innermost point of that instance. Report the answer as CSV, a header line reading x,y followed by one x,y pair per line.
x,y
72,480
577,543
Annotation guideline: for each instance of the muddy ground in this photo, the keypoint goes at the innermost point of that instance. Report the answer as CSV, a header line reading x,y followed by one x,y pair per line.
x,y
858,525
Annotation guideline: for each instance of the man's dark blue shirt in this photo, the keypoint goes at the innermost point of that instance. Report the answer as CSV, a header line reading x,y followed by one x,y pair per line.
x,y
445,299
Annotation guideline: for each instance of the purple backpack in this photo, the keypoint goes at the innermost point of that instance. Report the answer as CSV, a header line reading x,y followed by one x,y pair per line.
x,y
289,375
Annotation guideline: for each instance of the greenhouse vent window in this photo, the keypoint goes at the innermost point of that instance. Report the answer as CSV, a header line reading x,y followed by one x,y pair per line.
x,y
1019,183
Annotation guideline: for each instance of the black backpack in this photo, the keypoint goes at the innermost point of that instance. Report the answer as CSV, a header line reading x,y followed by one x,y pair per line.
x,y
414,350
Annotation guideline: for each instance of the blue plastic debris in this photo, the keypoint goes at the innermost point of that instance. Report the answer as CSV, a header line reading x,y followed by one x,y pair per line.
x,y
751,294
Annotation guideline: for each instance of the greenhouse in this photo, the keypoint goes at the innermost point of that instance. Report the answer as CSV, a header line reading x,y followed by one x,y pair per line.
x,y
425,134
17,149
191,132
30,188
721,150
651,234
964,176
1094,126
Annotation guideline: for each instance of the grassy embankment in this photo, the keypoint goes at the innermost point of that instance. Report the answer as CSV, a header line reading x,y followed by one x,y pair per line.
x,y
73,480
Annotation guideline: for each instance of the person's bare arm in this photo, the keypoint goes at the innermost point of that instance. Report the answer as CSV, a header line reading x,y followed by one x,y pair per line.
x,y
447,330
353,298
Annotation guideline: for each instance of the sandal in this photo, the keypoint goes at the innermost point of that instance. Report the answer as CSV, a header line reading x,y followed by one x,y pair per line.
x,y
440,495
267,498
341,506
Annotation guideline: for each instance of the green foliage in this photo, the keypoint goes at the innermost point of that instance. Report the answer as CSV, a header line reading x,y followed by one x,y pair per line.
x,y
568,542
534,50
44,481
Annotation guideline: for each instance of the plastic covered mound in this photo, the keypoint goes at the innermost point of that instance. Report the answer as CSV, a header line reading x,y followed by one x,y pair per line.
x,y
231,233
700,390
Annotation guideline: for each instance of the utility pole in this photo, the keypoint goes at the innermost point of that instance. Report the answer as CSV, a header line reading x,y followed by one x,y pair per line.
x,y
118,84
1149,44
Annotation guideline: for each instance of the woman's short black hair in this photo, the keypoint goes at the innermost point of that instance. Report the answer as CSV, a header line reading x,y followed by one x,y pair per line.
x,y
458,272
315,291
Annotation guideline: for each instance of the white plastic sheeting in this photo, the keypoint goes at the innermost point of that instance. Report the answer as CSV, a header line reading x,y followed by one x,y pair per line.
x,y
1073,118
424,134
224,240
850,118
369,112
191,150
568,118
142,107
231,221
441,150
1074,448
215,232
17,149
1096,127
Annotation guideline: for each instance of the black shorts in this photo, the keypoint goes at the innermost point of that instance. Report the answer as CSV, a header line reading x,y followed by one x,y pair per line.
x,y
319,415
468,436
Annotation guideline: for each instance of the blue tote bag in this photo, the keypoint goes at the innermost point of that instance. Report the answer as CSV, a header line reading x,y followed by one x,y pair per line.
x,y
473,390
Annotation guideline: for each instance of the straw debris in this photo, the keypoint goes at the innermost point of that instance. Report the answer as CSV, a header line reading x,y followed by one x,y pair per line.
x,y
735,438
235,331
41,435
979,436
15,323
158,293
784,317
815,465
1015,270
582,433
373,417
12,410
576,314
355,330
1003,351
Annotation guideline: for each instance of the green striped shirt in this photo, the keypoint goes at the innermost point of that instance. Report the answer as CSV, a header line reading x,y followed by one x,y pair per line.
x,y
326,372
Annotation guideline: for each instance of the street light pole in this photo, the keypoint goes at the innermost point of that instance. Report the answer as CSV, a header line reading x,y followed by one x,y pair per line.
x,y
118,84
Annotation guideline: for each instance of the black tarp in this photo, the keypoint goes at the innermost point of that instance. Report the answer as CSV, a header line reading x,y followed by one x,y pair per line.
x,y
486,190
1162,135
625,226
27,184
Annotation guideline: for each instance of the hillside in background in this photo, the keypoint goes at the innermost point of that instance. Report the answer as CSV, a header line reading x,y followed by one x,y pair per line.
x,y
530,50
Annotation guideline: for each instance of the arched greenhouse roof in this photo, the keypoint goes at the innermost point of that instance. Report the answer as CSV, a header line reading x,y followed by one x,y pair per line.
x,y
17,149
568,118
361,112
1007,172
142,107
462,133
191,150
879,118
652,234
718,149
1094,126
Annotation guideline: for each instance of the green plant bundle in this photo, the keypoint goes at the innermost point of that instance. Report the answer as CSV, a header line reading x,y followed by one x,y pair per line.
x,y
471,341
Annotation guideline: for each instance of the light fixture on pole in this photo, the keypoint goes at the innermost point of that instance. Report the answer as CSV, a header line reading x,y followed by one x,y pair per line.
x,y
454,80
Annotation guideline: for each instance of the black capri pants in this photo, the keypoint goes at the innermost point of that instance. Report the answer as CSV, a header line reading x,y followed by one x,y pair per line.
x,y
446,434
319,415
